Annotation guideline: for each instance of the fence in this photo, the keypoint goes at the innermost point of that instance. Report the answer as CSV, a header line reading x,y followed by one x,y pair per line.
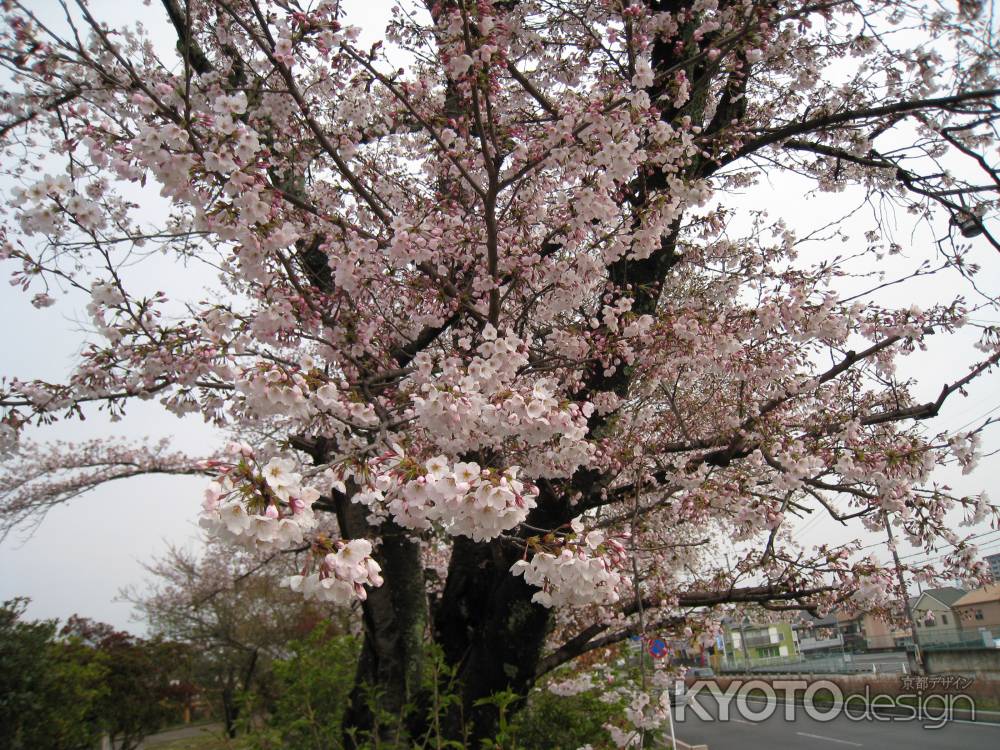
x,y
949,639
846,663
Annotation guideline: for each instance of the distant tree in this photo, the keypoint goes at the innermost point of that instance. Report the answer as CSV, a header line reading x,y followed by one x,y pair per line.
x,y
51,689
141,679
229,607
309,692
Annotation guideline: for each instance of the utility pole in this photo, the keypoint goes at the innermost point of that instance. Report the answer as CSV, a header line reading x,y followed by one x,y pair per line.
x,y
743,643
918,655
840,637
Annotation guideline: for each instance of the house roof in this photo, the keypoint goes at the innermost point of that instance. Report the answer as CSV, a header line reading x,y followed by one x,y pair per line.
x,y
946,595
807,620
990,593
846,617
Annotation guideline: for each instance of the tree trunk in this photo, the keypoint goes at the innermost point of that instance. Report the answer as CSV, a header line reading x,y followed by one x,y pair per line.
x,y
489,632
389,674
230,711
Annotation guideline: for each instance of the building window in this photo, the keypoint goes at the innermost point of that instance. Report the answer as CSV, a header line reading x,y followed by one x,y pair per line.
x,y
944,619
979,614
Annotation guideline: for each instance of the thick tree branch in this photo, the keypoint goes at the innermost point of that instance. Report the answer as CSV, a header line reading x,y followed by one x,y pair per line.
x,y
777,135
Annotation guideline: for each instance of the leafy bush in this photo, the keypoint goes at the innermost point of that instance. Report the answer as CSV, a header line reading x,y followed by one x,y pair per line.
x,y
310,691
305,702
562,722
63,689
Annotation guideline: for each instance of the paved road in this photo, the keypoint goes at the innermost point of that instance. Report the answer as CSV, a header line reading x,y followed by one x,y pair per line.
x,y
182,733
841,733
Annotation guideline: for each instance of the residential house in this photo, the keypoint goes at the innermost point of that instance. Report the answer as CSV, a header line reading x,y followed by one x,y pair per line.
x,y
937,621
864,631
994,562
979,612
818,635
759,643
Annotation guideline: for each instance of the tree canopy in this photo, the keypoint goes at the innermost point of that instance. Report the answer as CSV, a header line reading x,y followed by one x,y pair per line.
x,y
503,354
63,688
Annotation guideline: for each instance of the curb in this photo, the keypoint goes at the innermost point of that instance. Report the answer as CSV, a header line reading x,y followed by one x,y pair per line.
x,y
680,745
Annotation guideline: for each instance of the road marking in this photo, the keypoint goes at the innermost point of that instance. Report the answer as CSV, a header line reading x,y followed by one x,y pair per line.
x,y
829,739
974,723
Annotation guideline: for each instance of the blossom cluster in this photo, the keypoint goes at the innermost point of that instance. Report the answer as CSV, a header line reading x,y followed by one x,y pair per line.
x,y
467,406
462,497
272,392
575,685
573,577
342,575
645,715
267,508
875,591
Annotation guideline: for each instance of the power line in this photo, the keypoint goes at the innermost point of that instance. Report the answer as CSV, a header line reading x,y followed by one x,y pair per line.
x,y
953,544
982,548
976,419
803,529
947,544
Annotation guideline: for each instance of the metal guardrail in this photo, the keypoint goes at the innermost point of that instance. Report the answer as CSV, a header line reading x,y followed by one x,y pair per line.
x,y
765,661
848,663
956,640
810,644
957,646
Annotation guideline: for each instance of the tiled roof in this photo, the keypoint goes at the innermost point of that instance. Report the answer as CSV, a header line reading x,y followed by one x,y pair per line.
x,y
947,595
984,595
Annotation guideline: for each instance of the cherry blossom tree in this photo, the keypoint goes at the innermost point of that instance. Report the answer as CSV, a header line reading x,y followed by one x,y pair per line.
x,y
498,344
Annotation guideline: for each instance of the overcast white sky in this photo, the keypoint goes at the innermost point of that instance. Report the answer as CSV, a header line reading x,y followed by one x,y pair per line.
x,y
84,552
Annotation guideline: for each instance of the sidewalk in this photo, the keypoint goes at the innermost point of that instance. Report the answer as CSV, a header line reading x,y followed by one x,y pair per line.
x,y
181,733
